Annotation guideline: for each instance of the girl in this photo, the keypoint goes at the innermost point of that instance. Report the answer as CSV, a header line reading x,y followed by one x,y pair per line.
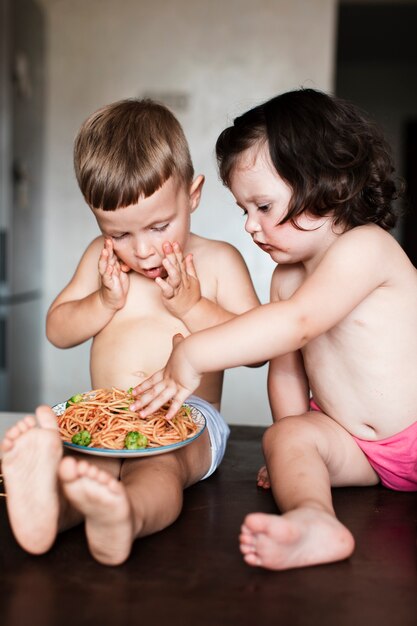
x,y
314,179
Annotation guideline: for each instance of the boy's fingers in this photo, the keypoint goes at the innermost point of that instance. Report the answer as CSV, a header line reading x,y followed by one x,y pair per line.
x,y
189,264
169,253
167,290
102,261
174,276
181,261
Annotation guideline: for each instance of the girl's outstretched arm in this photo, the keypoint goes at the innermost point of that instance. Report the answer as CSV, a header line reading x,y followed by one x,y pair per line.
x,y
328,295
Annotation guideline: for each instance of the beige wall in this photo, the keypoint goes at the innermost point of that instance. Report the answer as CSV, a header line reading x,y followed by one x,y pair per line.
x,y
221,57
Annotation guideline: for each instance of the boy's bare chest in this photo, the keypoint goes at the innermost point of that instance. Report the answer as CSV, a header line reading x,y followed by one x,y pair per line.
x,y
145,307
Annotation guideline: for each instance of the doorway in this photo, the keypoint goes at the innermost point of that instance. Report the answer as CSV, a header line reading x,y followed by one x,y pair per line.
x,y
376,67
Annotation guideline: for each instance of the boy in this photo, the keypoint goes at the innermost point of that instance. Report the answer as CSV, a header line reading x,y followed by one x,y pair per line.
x,y
134,169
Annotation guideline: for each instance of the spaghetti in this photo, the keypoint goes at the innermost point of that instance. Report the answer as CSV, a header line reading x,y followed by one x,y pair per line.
x,y
105,415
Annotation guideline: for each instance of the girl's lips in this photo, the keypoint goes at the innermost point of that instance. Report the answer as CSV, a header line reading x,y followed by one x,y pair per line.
x,y
264,246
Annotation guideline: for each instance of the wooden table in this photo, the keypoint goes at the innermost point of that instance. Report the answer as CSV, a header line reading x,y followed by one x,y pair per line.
x,y
193,574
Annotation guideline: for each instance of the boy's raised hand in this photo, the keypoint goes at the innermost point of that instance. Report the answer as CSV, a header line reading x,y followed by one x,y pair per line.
x,y
175,383
181,288
114,278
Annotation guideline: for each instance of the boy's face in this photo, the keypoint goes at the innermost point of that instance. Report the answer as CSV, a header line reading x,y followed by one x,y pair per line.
x,y
264,197
139,230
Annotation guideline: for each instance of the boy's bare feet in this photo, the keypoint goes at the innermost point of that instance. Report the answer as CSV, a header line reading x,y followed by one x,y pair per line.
x,y
32,450
103,502
296,539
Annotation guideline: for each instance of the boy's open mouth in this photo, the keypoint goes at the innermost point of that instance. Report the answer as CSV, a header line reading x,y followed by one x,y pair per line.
x,y
155,272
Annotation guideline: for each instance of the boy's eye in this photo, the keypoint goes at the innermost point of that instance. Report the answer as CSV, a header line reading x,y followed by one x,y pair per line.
x,y
160,227
119,237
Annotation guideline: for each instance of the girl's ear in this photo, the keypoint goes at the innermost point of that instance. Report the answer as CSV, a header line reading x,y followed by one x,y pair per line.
x,y
195,192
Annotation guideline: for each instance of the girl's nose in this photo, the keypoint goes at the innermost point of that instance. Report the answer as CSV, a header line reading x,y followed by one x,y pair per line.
x,y
251,225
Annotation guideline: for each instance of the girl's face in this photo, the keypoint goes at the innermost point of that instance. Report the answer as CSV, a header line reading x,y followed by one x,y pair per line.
x,y
264,198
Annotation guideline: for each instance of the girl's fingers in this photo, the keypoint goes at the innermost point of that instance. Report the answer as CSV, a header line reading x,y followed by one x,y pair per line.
x,y
176,403
148,383
152,400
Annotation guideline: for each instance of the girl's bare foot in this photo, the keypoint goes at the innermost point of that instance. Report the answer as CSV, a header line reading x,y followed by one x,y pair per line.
x,y
103,501
301,537
32,450
263,478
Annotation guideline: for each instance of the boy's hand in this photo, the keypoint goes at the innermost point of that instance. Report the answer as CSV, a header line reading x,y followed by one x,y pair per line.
x,y
114,278
181,288
263,478
176,382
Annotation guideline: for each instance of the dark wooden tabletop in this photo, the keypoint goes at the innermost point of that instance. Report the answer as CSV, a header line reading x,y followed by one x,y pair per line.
x,y
193,574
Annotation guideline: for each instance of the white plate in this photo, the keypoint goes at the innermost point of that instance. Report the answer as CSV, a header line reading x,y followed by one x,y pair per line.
x,y
197,416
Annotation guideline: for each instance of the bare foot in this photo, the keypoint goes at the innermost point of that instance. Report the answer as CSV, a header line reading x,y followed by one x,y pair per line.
x,y
32,450
103,501
296,539
263,478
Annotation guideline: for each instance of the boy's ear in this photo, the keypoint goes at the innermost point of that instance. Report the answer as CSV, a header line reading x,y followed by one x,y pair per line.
x,y
195,192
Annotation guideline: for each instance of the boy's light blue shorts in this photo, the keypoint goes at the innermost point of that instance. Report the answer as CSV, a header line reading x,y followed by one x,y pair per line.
x,y
217,429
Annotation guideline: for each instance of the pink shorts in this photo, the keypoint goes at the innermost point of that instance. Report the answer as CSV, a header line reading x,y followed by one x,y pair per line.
x,y
394,459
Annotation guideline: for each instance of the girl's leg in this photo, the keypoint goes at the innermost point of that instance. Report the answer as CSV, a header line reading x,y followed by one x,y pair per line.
x,y
147,498
305,455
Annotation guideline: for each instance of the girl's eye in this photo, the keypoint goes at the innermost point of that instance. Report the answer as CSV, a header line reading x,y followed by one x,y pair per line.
x,y
161,228
244,212
119,237
264,208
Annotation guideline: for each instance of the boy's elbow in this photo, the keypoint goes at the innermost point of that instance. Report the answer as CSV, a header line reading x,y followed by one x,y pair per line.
x,y
54,336
55,339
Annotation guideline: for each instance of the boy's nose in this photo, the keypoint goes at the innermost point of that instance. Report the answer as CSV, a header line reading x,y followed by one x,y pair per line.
x,y
143,248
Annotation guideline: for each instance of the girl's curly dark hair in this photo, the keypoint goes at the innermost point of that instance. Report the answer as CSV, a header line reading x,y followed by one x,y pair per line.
x,y
334,158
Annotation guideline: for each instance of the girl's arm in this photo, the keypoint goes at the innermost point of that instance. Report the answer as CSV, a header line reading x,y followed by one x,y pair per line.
x,y
328,295
288,388
87,304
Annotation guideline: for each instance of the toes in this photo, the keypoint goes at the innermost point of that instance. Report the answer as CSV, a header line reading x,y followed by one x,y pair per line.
x,y
46,417
252,559
13,433
67,470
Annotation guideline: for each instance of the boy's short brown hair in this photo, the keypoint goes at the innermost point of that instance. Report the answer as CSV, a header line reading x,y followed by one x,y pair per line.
x,y
127,150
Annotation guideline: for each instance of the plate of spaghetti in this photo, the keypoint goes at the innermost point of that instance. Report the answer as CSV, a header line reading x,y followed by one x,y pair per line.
x,y
99,422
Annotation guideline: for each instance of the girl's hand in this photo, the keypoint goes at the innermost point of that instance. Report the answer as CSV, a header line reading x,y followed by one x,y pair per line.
x,y
175,383
263,478
181,288
114,278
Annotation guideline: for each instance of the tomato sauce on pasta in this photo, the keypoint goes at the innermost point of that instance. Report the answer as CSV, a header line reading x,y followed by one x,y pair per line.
x,y
105,414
